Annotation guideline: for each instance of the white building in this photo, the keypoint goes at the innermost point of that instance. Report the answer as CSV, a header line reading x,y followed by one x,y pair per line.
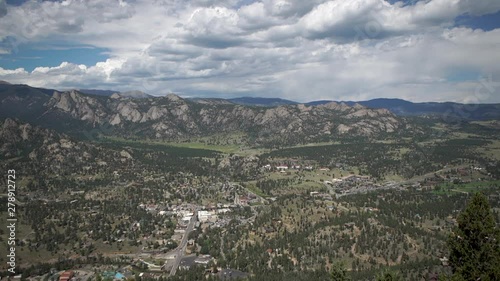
x,y
204,216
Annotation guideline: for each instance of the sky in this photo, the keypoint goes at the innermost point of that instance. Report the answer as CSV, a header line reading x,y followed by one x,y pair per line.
x,y
428,50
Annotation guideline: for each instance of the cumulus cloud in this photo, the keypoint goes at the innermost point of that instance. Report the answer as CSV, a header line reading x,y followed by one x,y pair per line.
x,y
214,27
373,19
302,50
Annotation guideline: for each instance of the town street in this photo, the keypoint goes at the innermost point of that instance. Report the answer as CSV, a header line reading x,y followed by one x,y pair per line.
x,y
179,252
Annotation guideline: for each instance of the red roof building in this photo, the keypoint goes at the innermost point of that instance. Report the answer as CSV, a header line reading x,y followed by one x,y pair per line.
x,y
67,275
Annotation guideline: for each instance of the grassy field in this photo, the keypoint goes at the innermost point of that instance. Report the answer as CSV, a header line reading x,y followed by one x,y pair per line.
x,y
161,146
466,187
251,186
198,145
491,150
393,177
462,135
315,144
495,124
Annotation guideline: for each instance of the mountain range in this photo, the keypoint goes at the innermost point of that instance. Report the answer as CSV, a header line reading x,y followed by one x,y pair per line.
x,y
172,117
106,93
265,121
397,106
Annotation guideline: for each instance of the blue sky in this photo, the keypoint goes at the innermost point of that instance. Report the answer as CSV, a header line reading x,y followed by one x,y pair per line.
x,y
484,22
437,50
29,55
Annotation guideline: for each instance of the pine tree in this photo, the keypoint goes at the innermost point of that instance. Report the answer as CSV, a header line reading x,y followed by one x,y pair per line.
x,y
474,244
388,276
339,273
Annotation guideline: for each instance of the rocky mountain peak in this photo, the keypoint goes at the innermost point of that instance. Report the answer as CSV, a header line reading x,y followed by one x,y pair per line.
x,y
173,97
358,106
16,130
134,94
335,106
9,123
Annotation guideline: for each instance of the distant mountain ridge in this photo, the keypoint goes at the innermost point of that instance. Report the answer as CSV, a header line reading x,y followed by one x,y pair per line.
x,y
258,101
172,117
97,92
108,93
399,107
451,110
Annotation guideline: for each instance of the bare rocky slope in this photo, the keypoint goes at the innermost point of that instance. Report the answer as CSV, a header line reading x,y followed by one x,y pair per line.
x,y
172,117
20,139
38,151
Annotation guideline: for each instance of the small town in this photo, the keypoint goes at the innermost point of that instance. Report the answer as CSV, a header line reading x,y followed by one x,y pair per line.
x,y
249,140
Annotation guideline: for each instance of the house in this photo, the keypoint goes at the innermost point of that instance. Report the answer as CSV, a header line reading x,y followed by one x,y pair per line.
x,y
205,259
204,216
282,167
67,275
179,231
223,210
146,275
241,200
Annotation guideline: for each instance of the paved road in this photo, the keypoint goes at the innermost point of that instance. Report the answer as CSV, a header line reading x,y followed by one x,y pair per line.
x,y
179,252
222,245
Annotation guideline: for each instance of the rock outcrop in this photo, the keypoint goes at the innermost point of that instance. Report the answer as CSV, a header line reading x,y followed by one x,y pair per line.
x,y
174,117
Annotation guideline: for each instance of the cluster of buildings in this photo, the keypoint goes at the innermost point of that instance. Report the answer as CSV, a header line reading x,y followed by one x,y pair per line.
x,y
190,261
211,215
352,184
306,166
87,273
246,200
284,168
320,195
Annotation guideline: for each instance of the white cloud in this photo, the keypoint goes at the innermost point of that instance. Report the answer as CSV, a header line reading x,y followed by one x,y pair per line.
x,y
303,50
11,72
